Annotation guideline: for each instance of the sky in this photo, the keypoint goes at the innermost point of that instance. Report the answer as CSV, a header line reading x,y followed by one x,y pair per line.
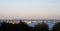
x,y
31,9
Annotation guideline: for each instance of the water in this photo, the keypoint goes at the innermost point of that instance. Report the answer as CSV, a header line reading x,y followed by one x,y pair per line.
x,y
50,24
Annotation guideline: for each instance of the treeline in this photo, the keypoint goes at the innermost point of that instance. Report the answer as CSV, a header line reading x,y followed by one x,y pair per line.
x,y
22,26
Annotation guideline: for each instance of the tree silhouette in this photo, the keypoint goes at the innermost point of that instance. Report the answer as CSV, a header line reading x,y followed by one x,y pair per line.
x,y
56,27
41,27
6,26
22,26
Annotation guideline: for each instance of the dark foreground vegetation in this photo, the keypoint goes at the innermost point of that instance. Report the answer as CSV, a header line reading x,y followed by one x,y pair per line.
x,y
22,26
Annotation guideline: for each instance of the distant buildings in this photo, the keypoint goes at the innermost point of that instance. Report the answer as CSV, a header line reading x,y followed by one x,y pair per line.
x,y
28,20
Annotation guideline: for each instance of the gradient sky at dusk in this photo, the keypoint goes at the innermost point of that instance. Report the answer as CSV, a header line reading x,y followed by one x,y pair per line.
x,y
30,9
